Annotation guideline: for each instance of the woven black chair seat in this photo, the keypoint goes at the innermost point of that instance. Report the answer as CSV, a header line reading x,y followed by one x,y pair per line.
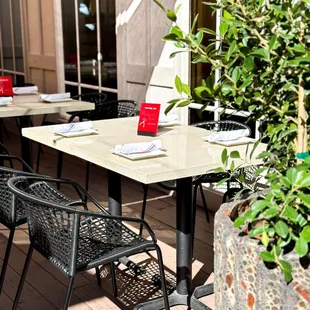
x,y
100,238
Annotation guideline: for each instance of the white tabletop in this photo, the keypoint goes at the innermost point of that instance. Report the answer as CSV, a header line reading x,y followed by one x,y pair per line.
x,y
187,153
24,105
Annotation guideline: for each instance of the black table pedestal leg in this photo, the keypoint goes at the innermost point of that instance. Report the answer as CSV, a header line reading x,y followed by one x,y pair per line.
x,y
184,209
115,208
26,145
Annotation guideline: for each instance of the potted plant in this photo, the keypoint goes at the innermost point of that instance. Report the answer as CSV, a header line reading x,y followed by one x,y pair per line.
x,y
260,63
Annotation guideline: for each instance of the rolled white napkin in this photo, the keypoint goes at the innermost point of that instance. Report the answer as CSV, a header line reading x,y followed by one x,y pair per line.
x,y
136,148
163,118
227,135
25,90
5,100
52,97
72,127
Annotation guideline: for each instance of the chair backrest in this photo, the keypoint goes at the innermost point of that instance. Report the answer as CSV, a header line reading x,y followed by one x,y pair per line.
x,y
3,150
98,99
53,226
11,214
224,125
117,109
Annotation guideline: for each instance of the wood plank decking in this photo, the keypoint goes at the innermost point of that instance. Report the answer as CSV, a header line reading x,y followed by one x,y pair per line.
x,y
45,286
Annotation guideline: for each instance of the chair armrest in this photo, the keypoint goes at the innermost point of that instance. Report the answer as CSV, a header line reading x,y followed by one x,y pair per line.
x,y
10,158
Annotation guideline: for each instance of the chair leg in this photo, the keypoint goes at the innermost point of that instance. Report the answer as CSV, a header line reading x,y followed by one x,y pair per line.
x,y
204,202
69,293
162,276
59,167
6,258
23,277
145,191
113,276
87,176
98,276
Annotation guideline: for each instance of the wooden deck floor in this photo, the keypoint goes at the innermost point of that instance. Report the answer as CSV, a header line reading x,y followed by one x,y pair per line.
x,y
45,286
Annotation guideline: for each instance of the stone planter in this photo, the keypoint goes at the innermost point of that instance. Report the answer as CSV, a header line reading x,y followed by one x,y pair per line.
x,y
243,282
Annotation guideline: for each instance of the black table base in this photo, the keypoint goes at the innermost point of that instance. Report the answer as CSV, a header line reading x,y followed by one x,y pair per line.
x,y
25,122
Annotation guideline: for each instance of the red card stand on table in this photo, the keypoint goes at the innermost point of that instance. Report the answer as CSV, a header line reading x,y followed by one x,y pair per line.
x,y
148,120
6,89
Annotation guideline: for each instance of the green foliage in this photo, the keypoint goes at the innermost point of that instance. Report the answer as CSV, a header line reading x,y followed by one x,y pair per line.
x,y
264,58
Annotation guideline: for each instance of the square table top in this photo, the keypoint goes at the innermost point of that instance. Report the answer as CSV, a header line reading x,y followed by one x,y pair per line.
x,y
187,154
25,105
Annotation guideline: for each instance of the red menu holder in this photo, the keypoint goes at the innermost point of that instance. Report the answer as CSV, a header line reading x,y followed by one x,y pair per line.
x,y
148,120
6,88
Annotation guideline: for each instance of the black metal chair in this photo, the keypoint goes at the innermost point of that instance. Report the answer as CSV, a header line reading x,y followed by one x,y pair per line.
x,y
76,240
224,125
104,110
13,214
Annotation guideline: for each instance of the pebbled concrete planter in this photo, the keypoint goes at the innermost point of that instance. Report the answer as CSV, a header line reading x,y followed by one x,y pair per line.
x,y
241,279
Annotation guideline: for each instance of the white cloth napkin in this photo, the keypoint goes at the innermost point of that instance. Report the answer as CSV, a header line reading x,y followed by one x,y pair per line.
x,y
72,127
227,135
163,118
136,148
6,100
25,90
52,97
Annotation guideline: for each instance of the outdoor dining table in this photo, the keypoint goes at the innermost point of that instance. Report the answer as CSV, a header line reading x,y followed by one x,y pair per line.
x,y
187,155
25,106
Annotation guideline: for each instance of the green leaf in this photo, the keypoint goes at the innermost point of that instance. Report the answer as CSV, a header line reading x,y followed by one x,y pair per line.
x,y
273,42
257,231
286,269
304,198
267,256
232,48
236,75
299,48
234,154
185,103
306,233
301,246
194,23
291,213
178,84
305,182
224,157
169,108
259,205
239,221
249,63
270,213
176,30
199,37
281,229
208,31
223,29
160,5
301,220
171,15
265,239
172,55
262,53
186,89
171,37
264,155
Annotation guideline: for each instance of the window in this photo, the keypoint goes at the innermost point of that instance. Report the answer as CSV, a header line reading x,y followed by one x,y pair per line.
x,y
11,41
89,46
